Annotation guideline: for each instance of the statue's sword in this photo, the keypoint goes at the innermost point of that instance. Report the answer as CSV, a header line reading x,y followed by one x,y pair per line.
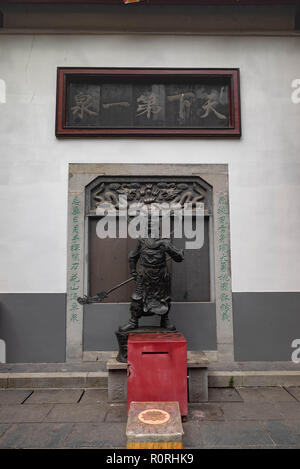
x,y
84,300
103,294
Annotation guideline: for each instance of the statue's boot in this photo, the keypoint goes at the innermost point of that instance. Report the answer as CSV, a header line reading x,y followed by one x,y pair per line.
x,y
166,324
133,323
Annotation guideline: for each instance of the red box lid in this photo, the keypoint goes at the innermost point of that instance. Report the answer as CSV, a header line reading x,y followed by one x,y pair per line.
x,y
156,337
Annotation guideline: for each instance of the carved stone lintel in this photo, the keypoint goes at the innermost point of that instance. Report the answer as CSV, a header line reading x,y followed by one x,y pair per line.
x,y
171,192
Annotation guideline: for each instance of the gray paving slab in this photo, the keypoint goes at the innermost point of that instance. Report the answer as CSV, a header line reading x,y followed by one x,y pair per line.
x,y
22,413
77,413
289,410
94,396
287,447
251,411
3,428
116,413
254,447
283,432
265,420
101,435
192,437
265,394
294,391
203,412
13,396
54,396
37,435
235,434
223,395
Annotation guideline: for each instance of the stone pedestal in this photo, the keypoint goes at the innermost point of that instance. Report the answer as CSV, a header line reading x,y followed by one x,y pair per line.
x,y
197,376
117,380
154,425
197,370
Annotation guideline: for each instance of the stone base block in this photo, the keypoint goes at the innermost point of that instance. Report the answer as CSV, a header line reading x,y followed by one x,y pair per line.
x,y
117,381
154,425
198,384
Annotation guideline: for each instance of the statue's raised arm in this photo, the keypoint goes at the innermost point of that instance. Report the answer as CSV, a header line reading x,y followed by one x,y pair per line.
x,y
175,253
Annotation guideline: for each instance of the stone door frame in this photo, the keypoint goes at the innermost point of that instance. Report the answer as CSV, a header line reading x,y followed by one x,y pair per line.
x,y
80,175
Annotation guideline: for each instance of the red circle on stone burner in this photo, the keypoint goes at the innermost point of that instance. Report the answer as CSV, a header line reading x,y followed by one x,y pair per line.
x,y
154,416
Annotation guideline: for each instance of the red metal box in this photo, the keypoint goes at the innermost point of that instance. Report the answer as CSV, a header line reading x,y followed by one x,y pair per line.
x,y
157,368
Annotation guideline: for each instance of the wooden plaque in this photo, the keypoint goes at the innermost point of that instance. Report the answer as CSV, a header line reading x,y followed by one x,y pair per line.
x,y
127,102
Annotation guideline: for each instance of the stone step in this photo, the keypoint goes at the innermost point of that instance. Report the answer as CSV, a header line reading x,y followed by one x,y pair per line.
x,y
224,379
64,379
99,379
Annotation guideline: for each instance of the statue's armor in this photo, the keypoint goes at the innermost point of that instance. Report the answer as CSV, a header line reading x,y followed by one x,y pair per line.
x,y
152,293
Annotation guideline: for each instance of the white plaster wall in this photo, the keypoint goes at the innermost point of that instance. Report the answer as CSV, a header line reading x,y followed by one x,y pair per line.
x,y
264,169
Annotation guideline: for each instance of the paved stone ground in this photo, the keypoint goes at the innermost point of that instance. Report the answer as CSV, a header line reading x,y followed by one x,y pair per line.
x,y
79,418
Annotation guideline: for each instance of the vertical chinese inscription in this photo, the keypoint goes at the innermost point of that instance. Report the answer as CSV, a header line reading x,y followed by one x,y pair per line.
x,y
73,274
223,253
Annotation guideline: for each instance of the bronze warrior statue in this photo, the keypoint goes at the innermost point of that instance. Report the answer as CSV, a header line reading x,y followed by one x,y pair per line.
x,y
152,292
